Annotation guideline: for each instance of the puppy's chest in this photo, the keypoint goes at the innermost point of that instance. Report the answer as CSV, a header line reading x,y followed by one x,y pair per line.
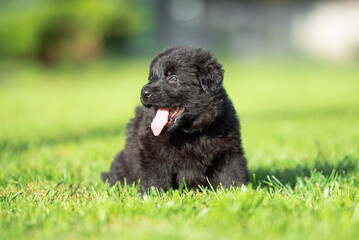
x,y
186,153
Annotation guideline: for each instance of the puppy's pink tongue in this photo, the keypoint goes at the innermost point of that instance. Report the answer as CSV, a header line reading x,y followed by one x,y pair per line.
x,y
160,121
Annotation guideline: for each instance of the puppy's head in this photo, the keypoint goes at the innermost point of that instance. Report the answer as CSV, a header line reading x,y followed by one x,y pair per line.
x,y
183,88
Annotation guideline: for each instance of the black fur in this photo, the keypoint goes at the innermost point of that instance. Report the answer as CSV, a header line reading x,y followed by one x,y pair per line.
x,y
212,147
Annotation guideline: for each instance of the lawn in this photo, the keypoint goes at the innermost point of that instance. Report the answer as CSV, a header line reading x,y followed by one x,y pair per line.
x,y
60,127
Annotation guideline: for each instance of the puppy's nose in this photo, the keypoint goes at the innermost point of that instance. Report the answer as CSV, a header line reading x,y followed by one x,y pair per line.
x,y
146,92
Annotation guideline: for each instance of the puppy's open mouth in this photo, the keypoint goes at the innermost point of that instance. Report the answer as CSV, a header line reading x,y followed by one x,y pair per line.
x,y
164,117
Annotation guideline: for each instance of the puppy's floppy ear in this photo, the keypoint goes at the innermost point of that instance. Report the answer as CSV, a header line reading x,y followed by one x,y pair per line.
x,y
210,72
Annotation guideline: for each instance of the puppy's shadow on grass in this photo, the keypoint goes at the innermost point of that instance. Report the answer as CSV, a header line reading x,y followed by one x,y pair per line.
x,y
289,176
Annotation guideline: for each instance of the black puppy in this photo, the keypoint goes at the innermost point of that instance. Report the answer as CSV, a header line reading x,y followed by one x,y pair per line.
x,y
187,128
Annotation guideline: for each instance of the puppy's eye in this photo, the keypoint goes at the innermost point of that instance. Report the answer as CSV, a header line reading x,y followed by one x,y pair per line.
x,y
173,78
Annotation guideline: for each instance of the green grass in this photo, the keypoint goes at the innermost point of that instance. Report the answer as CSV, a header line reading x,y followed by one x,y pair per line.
x,y
60,128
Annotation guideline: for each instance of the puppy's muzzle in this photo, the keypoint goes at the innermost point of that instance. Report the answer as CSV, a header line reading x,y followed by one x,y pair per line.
x,y
146,94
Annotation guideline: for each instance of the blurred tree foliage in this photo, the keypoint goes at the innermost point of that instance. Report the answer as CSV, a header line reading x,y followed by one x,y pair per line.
x,y
53,30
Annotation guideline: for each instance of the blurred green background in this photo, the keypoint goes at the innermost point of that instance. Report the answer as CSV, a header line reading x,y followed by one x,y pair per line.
x,y
51,31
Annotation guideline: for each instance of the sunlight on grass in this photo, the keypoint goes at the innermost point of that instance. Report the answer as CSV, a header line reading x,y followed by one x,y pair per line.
x,y
61,127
